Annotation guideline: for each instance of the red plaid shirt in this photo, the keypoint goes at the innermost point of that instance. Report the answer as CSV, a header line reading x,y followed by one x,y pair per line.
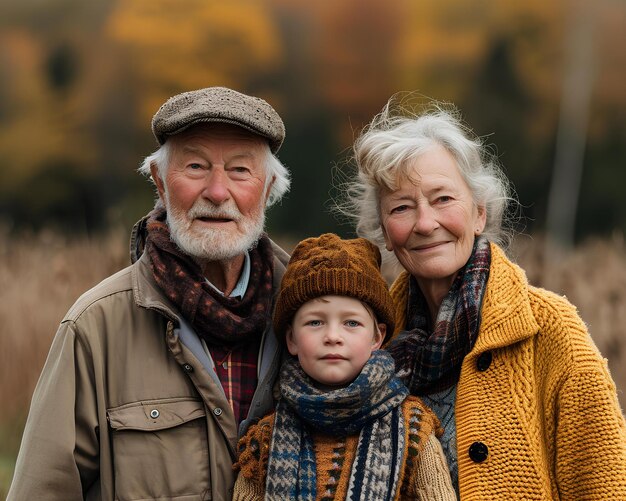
x,y
237,370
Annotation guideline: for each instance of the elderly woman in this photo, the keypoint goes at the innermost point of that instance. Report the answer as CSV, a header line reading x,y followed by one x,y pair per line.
x,y
527,404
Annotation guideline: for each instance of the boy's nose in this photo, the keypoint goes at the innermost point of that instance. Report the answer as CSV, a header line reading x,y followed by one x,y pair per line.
x,y
332,335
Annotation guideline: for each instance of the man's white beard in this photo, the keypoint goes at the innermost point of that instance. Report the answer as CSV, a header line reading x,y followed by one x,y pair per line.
x,y
214,244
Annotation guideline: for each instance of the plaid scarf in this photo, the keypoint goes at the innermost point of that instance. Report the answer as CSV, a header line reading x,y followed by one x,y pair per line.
x,y
215,318
429,360
369,405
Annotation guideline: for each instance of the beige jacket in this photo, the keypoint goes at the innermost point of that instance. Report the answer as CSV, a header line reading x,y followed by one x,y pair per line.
x,y
128,406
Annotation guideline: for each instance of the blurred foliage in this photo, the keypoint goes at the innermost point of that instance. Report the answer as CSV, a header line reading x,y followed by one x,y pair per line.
x,y
79,82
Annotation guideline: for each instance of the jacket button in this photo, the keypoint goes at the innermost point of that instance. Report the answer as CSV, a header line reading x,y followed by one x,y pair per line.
x,y
478,452
188,368
484,361
154,413
217,411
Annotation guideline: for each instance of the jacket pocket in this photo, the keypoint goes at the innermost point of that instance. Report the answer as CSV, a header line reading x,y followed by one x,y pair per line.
x,y
160,450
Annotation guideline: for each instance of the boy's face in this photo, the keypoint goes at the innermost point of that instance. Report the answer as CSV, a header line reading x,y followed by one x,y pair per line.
x,y
333,337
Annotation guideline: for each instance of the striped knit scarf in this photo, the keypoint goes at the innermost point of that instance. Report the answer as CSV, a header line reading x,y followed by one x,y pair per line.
x,y
429,359
370,406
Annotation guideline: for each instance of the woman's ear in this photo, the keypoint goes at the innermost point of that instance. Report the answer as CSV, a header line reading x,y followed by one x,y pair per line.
x,y
387,242
481,220
292,346
379,336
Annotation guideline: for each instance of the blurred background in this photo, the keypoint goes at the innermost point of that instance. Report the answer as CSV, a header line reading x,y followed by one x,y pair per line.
x,y
543,82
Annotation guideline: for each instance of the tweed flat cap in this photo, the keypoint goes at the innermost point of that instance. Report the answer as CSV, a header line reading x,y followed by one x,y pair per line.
x,y
218,104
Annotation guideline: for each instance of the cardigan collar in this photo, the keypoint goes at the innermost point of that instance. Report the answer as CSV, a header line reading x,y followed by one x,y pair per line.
x,y
506,315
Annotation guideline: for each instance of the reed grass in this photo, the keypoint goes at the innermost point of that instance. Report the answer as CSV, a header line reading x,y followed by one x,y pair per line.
x,y
42,275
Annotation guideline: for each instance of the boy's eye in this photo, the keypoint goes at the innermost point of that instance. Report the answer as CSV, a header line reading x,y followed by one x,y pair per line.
x,y
352,323
314,323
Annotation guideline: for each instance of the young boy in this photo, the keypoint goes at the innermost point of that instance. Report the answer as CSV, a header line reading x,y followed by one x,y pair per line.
x,y
345,427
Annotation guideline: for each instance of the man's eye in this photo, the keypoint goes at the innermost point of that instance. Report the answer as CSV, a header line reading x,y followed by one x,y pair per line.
x,y
239,171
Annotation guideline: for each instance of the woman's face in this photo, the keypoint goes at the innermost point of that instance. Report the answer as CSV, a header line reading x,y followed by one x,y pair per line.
x,y
431,220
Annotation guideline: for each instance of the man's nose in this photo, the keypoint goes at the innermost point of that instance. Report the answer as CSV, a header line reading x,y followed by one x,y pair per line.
x,y
216,186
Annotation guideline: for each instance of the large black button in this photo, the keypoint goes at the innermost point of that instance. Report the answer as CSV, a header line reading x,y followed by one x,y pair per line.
x,y
484,361
478,452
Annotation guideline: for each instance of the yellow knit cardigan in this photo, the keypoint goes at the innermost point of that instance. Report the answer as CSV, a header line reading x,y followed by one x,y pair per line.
x,y
545,406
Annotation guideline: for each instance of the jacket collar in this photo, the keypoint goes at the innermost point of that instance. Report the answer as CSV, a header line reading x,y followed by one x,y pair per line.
x,y
147,293
138,237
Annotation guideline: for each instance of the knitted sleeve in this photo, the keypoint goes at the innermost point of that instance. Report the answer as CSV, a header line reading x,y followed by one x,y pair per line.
x,y
252,461
426,475
247,490
431,477
590,437
585,421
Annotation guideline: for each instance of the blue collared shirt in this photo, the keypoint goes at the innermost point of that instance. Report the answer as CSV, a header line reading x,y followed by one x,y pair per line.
x,y
242,283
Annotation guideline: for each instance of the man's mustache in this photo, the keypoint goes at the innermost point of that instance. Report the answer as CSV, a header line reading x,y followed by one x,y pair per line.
x,y
208,210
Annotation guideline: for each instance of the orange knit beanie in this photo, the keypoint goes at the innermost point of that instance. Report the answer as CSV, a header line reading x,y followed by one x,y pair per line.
x,y
328,265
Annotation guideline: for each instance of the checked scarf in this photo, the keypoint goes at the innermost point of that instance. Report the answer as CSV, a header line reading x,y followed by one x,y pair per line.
x,y
217,319
370,406
429,359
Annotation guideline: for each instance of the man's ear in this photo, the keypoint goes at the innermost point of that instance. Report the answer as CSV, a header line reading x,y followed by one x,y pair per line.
x,y
154,171
269,190
379,336
291,344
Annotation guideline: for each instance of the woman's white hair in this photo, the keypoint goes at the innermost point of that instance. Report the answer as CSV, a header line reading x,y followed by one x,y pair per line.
x,y
384,152
274,169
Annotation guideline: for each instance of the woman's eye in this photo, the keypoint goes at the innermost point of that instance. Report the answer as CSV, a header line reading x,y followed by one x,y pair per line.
x,y
195,166
399,208
444,198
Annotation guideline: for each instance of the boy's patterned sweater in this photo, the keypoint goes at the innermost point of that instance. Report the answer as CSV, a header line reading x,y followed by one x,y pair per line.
x,y
424,475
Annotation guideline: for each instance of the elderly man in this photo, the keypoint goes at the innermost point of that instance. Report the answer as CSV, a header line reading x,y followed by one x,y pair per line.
x,y
155,372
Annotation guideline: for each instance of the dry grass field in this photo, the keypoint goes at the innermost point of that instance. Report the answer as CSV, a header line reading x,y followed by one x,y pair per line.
x,y
42,275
